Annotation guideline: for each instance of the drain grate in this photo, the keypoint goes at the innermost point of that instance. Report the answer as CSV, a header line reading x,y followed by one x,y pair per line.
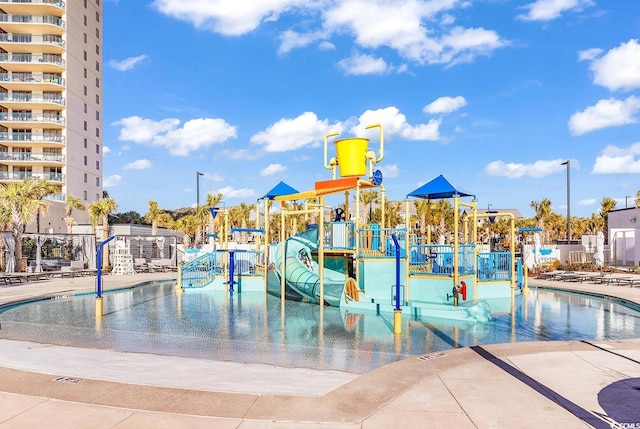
x,y
431,356
71,380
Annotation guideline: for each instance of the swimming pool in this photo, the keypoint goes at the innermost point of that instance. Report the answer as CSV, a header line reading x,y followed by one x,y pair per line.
x,y
252,327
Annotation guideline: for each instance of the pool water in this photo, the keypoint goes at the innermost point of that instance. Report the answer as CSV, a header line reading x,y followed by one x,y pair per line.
x,y
250,327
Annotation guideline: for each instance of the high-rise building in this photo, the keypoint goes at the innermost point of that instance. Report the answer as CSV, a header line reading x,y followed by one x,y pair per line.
x,y
51,98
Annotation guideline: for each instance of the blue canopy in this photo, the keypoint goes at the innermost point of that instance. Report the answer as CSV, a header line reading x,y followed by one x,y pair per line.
x,y
438,188
280,189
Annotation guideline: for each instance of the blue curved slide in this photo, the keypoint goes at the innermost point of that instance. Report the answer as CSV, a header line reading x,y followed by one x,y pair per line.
x,y
301,272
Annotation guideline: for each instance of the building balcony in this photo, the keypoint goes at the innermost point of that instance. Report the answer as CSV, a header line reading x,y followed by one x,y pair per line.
x,y
28,138
7,176
32,157
26,120
24,62
55,197
31,81
34,24
22,101
40,7
25,43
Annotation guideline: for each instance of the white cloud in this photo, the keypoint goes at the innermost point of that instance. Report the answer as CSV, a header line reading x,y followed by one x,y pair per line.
x,y
272,170
361,64
589,54
445,105
395,124
617,160
588,202
113,180
228,17
389,170
291,134
105,150
213,177
606,113
128,63
513,170
619,68
420,31
230,192
195,134
141,164
546,10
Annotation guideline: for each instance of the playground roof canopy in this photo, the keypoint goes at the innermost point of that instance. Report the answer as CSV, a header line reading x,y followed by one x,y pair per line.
x,y
438,188
278,190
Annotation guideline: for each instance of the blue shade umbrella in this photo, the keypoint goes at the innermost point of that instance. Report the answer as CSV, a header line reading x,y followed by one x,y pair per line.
x,y
280,189
438,188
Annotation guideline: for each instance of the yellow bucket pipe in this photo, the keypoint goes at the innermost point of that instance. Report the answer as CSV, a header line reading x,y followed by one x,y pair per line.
x,y
329,165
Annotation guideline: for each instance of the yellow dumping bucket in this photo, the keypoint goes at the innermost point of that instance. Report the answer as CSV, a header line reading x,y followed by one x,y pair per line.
x,y
352,156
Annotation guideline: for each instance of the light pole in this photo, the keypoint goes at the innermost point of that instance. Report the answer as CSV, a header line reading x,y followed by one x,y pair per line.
x,y
568,164
198,174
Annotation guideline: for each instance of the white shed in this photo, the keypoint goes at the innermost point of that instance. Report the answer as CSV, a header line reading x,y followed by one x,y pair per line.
x,y
624,236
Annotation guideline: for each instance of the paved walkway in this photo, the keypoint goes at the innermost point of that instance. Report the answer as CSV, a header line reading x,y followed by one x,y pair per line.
x,y
526,385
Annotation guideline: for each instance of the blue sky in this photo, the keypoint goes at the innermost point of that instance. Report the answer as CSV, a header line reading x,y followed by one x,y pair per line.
x,y
493,94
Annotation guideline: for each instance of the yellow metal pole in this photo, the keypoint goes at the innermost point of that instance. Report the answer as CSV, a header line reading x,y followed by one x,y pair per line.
x,y
397,322
321,249
456,240
382,205
407,247
282,255
99,308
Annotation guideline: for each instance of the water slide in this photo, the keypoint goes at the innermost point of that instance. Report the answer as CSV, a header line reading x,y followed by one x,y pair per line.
x,y
301,272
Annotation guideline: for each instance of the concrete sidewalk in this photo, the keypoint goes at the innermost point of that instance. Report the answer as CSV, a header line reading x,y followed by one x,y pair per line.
x,y
526,385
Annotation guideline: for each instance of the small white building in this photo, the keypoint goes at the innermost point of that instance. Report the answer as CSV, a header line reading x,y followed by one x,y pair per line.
x,y
624,237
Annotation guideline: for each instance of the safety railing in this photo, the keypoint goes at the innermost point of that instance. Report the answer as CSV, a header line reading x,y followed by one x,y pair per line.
x,y
339,235
437,259
246,262
376,242
199,272
494,266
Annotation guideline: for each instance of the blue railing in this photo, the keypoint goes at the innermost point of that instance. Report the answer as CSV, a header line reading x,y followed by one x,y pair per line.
x,y
494,266
438,259
377,242
199,272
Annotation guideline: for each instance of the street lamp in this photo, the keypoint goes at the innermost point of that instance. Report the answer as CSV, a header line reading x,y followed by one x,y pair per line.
x,y
568,164
198,174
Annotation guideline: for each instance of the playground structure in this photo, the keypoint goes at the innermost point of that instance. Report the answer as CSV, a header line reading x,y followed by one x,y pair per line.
x,y
340,260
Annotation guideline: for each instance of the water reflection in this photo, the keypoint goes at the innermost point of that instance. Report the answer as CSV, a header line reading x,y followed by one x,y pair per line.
x,y
249,328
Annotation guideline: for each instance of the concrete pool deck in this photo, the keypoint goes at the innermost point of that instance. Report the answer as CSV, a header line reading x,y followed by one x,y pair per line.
x,y
567,384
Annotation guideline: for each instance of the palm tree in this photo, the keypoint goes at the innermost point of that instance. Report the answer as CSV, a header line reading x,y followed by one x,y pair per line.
x,y
606,205
187,225
423,212
153,216
637,200
72,203
23,200
368,198
543,212
100,210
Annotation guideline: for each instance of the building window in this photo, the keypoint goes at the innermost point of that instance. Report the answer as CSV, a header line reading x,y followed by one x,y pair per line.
x,y
97,17
98,2
97,99
85,160
85,146
97,33
97,115
85,90
97,83
97,66
97,50
85,177
85,23
85,55
85,125
85,107
97,132
85,73
97,165
97,181
85,195
85,4
97,148
85,37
